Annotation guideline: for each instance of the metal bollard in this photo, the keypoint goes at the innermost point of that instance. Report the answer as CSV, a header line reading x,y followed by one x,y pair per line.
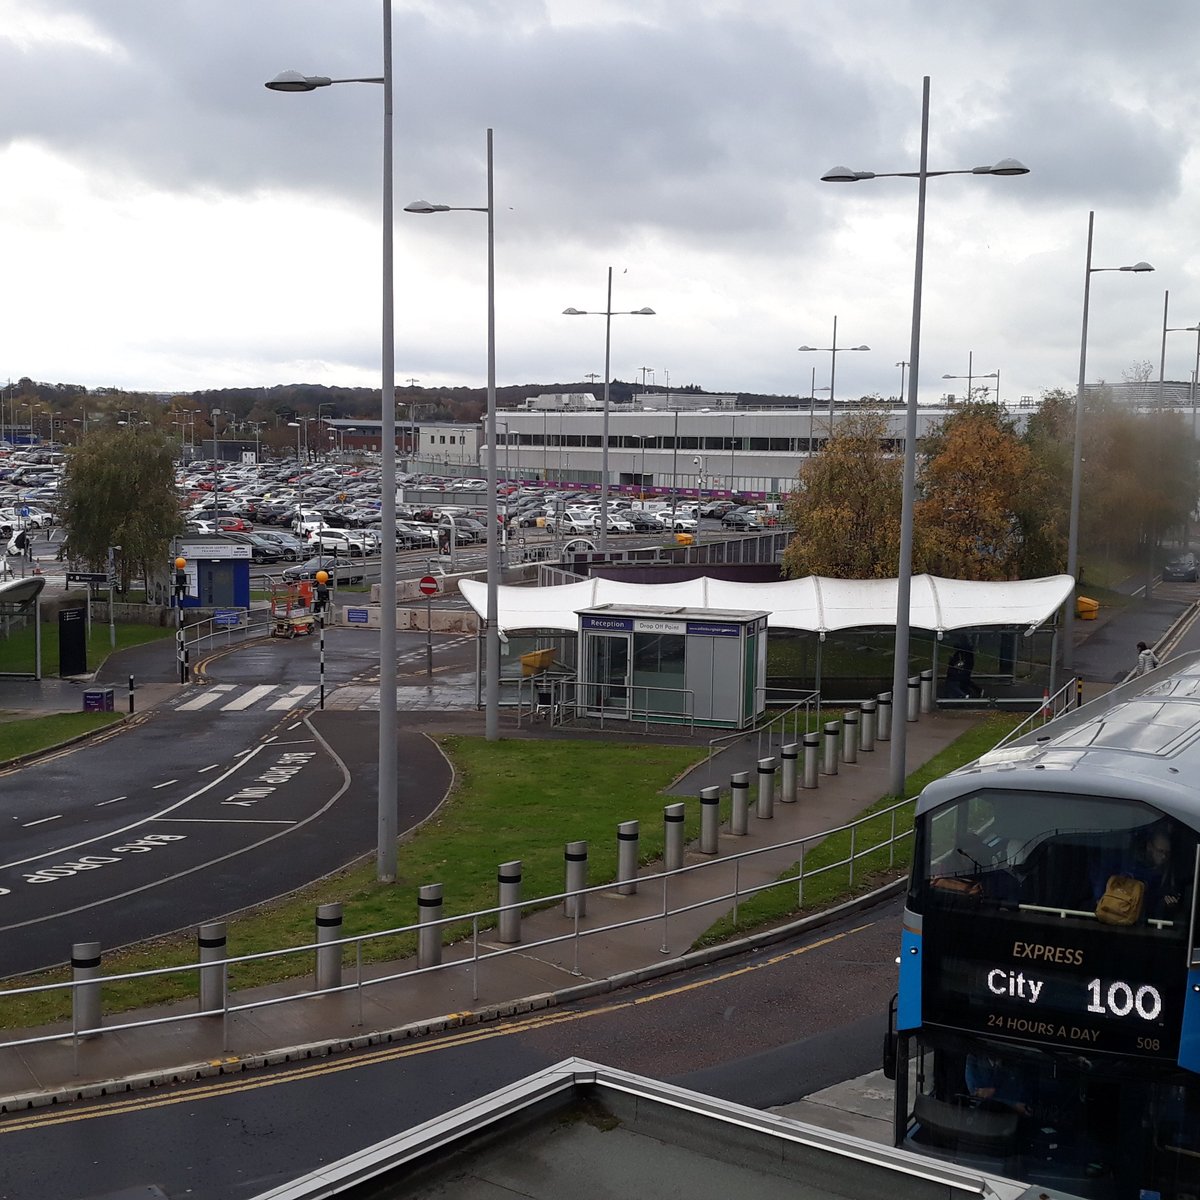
x,y
85,1000
883,726
739,786
575,856
927,690
766,789
628,833
850,736
787,784
508,891
131,695
429,938
673,817
812,758
710,819
210,946
329,958
914,698
829,761
866,728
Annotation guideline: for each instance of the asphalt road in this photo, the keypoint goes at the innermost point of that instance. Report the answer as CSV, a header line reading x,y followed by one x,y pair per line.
x,y
763,1029
198,812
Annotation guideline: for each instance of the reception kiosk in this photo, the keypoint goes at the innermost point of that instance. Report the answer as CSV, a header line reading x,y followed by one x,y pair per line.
x,y
678,666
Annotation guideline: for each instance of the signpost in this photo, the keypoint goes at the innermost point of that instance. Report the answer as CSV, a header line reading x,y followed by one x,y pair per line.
x,y
429,589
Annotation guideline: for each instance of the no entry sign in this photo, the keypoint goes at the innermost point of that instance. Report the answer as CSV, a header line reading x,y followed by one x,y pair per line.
x,y
428,585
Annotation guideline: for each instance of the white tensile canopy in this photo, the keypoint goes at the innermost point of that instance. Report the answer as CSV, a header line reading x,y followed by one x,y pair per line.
x,y
813,604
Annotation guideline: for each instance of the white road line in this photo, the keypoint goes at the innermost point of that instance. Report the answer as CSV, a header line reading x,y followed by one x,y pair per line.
x,y
20,862
102,803
206,697
218,821
42,821
253,696
294,725
205,770
294,697
163,785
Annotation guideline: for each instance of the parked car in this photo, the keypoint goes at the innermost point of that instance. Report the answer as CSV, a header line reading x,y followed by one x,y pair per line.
x,y
291,548
643,522
1184,568
342,571
344,541
739,520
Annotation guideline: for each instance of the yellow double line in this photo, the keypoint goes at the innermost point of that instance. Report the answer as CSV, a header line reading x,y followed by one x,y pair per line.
x,y
330,1066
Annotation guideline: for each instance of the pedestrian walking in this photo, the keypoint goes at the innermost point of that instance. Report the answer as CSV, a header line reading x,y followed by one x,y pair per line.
x,y
1147,660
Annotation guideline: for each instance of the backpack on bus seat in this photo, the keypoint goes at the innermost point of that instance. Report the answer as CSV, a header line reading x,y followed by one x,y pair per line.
x,y
1122,901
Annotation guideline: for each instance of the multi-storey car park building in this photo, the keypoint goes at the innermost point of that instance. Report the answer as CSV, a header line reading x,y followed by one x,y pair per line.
x,y
666,441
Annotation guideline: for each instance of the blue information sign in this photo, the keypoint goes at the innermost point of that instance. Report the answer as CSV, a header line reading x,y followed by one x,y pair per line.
x,y
712,629
613,624
227,616
356,616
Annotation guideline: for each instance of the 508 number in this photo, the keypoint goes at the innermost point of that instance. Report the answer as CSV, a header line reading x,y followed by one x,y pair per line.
x,y
1120,999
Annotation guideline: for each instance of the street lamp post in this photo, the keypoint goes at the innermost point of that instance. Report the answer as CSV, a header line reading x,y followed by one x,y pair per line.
x,y
903,368
1068,649
969,376
385,851
1006,166
492,646
833,351
608,315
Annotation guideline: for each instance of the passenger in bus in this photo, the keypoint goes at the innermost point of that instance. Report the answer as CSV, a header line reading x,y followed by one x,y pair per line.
x,y
991,1081
1149,861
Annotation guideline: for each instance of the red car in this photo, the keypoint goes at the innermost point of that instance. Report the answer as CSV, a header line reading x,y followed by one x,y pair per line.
x,y
234,524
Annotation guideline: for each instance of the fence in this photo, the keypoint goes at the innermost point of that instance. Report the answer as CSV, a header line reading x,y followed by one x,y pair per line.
x,y
732,894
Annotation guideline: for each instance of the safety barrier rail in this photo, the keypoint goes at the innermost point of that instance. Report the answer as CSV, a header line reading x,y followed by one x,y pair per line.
x,y
213,972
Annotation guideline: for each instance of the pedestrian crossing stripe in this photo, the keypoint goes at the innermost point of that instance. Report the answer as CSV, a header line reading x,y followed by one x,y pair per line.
x,y
227,697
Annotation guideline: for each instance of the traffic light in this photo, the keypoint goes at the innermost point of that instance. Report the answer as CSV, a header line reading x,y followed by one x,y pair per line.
x,y
180,579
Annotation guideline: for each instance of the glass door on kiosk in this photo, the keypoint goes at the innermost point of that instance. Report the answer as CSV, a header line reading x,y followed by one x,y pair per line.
x,y
608,673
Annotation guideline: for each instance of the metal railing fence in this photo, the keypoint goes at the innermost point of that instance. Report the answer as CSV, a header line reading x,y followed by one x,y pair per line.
x,y
733,895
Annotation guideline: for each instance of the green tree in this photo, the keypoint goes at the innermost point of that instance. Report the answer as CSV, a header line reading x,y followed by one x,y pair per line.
x,y
975,471
846,506
119,490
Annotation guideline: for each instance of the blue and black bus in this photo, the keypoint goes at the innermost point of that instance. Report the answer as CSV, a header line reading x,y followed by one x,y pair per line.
x,y
1047,1023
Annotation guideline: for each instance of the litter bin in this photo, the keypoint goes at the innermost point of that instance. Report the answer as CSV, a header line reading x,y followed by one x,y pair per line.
x,y
684,539
1086,608
98,700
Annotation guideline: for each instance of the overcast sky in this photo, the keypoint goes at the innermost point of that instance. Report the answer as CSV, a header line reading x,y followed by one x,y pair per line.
x,y
166,222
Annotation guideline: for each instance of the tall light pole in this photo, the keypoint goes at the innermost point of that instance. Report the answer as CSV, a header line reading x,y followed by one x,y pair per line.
x,y
969,376
491,702
385,851
1006,166
1068,649
903,368
608,315
833,351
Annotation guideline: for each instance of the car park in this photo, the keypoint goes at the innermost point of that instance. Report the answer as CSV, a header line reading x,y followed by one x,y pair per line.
x,y
344,541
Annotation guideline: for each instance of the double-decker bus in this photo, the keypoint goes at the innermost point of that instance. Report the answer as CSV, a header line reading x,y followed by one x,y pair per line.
x,y
1047,1023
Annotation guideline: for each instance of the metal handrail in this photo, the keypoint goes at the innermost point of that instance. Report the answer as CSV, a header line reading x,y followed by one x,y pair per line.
x,y
1051,707
734,895
806,704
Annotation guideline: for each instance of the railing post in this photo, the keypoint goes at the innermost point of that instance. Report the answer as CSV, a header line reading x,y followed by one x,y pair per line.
x,y
850,736
329,958
866,729
927,690
787,787
710,819
883,726
766,789
853,831
575,856
628,835
914,698
429,937
829,764
211,945
85,998
812,758
739,817
673,818
508,891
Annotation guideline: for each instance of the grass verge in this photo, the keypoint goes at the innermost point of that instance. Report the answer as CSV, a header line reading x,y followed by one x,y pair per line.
x,y
829,877
511,800
29,735
17,650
